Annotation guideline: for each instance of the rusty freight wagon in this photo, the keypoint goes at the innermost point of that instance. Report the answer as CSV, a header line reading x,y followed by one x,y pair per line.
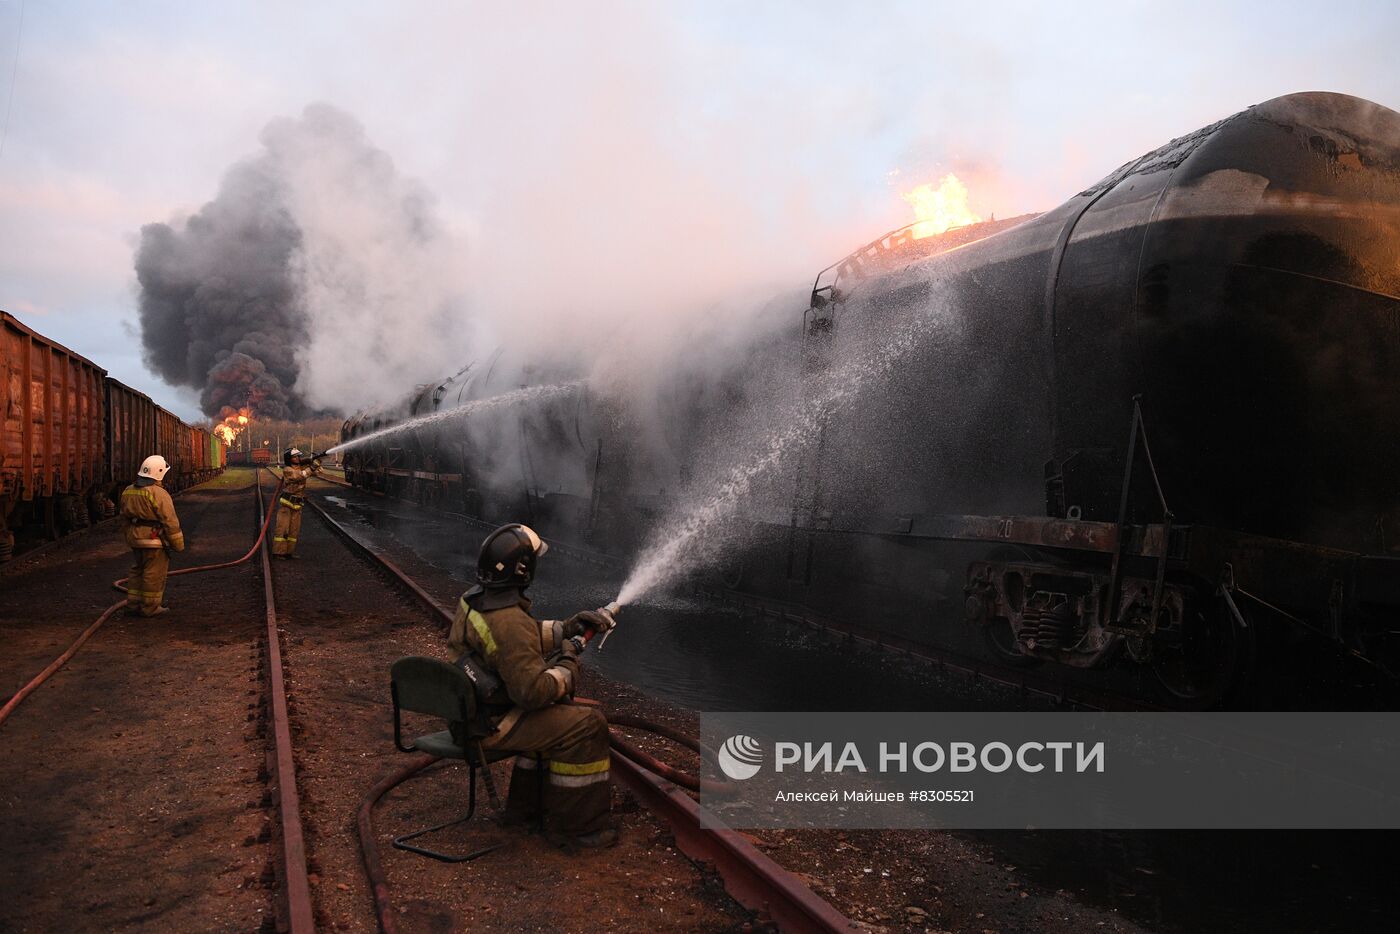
x,y
130,438
71,437
199,454
173,443
51,438
210,451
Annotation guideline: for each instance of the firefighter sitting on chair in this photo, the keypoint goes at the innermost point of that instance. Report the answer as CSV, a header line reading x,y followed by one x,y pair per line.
x,y
534,666
297,468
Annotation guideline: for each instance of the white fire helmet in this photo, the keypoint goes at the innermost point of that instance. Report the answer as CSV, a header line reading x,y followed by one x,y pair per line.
x,y
154,467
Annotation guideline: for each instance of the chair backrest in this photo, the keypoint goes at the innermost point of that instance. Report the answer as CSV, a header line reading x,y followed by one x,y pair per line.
x,y
433,686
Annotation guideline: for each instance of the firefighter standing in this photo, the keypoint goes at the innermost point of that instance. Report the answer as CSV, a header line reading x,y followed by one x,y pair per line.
x,y
296,470
560,744
152,531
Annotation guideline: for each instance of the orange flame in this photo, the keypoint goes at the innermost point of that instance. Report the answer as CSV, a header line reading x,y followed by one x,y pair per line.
x,y
233,424
939,209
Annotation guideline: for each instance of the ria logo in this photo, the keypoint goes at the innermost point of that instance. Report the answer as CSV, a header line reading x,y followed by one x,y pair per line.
x,y
740,757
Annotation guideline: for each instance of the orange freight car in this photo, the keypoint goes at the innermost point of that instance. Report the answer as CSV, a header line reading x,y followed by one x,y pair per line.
x,y
200,450
71,438
131,438
172,443
52,451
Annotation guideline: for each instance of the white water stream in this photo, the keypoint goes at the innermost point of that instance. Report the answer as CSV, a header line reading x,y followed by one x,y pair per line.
x,y
693,536
514,397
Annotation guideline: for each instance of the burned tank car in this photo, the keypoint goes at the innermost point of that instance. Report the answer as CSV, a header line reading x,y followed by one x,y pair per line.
x,y
525,462
1131,434
1163,410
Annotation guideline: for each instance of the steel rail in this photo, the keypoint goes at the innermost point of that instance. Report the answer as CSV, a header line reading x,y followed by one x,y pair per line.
x,y
751,878
119,585
577,552
296,884
419,594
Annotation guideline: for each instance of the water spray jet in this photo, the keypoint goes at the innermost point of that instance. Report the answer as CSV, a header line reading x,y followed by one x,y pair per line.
x,y
516,396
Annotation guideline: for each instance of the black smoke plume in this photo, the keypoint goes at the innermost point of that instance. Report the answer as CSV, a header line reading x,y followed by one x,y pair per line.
x,y
219,305
318,275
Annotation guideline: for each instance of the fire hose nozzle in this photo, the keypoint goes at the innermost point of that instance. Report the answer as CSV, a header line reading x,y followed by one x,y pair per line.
x,y
610,611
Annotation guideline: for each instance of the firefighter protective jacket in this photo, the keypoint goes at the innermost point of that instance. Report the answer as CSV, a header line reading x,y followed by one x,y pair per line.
x,y
496,628
294,478
148,517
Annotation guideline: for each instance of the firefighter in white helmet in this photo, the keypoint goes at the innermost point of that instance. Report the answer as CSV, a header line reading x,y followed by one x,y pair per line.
x,y
297,468
152,531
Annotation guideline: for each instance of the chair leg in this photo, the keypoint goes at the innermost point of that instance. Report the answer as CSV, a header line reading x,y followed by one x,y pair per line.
x,y
543,774
401,842
491,795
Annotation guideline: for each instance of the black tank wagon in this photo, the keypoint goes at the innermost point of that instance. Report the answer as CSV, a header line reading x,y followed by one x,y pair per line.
x,y
1152,421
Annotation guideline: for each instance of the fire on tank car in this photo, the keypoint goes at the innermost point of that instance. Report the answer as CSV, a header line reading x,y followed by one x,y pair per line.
x,y
1161,429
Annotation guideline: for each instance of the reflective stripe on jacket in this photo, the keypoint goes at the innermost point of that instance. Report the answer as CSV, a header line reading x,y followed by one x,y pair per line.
x,y
508,641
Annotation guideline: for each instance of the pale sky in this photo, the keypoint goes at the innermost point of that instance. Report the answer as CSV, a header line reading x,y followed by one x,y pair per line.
x,y
810,117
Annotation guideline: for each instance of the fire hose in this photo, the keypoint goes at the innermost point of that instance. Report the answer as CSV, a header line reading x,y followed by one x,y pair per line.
x,y
374,867
111,611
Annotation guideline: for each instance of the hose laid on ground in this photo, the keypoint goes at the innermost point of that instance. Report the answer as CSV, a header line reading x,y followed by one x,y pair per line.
x,y
57,663
364,825
111,611
364,816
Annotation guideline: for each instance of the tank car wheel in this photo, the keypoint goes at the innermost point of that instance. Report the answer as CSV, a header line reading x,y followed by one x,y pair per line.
x,y
997,632
1001,640
1198,672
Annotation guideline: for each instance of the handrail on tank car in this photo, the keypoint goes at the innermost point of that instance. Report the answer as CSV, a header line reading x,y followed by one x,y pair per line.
x,y
851,261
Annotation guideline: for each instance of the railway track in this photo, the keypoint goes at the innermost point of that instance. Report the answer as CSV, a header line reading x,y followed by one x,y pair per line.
x,y
294,908
753,879
288,906
750,877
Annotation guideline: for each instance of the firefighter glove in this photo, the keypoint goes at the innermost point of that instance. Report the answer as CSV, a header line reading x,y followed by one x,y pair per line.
x,y
588,619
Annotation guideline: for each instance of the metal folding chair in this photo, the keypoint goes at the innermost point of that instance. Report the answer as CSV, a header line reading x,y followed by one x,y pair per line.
x,y
440,689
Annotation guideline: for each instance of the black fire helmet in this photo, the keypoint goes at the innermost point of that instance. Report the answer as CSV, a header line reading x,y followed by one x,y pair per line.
x,y
508,556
